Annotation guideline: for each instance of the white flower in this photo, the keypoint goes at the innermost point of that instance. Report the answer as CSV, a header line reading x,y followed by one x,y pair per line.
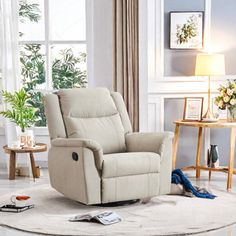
x,y
226,99
230,91
232,101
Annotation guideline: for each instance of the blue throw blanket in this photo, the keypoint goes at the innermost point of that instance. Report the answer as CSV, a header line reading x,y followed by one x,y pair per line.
x,y
178,177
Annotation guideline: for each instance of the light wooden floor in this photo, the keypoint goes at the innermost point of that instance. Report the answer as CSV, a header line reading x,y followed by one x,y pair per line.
x,y
6,186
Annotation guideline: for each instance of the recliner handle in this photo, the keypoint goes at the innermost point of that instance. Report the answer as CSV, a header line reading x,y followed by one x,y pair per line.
x,y
75,156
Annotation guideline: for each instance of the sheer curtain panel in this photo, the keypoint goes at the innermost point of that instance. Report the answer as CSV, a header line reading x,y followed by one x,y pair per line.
x,y
9,60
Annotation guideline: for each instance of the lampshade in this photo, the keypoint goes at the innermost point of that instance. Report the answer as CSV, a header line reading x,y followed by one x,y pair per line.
x,y
210,64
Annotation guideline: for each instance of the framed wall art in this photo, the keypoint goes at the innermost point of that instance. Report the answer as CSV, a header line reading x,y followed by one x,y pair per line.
x,y
186,30
193,107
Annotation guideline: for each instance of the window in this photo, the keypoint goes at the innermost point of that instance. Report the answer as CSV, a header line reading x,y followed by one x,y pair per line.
x,y
52,47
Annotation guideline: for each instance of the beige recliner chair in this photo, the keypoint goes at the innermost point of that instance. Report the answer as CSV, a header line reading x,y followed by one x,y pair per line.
x,y
94,156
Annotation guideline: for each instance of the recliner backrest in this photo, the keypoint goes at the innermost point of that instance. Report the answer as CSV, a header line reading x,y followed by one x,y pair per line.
x,y
94,114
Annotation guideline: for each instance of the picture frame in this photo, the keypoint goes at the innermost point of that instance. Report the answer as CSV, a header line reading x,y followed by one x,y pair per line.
x,y
186,29
193,108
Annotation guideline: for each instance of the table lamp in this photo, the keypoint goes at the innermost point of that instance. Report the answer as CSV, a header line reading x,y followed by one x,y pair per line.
x,y
209,65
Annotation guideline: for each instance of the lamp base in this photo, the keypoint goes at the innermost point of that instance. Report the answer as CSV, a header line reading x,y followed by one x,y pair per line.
x,y
209,117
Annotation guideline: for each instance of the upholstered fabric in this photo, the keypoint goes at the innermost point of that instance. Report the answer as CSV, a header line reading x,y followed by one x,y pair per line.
x,y
166,163
84,143
94,158
54,117
77,180
159,142
130,187
118,100
118,164
107,130
146,142
93,116
86,103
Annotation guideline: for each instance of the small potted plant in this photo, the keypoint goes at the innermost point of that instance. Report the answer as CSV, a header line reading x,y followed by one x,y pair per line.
x,y
227,99
21,113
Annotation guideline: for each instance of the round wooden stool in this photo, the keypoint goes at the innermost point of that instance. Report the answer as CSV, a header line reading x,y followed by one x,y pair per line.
x,y
39,147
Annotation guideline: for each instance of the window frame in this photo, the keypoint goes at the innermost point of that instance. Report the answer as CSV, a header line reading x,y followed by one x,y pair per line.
x,y
47,43
43,131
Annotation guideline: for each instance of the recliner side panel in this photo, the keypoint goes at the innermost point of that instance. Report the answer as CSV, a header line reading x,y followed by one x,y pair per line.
x,y
78,180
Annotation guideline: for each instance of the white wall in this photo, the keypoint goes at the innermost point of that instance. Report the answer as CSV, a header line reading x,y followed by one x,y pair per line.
x,y
143,65
99,35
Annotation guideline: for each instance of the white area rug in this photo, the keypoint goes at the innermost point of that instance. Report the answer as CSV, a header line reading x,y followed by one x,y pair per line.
x,y
165,215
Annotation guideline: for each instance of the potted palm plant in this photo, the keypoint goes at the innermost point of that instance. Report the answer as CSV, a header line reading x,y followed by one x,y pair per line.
x,y
21,113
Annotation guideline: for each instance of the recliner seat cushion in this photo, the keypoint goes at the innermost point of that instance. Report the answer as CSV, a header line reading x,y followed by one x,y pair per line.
x,y
92,114
130,163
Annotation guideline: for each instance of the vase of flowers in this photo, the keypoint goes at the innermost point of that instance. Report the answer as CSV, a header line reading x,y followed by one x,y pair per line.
x,y
22,114
227,99
231,114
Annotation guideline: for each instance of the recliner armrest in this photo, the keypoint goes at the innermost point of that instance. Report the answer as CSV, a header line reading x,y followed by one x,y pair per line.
x,y
159,142
76,142
83,143
148,142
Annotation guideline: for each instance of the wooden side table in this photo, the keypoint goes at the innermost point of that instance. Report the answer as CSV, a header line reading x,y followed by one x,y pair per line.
x,y
39,147
200,125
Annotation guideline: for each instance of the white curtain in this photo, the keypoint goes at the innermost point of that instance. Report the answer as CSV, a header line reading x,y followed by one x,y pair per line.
x,y
9,56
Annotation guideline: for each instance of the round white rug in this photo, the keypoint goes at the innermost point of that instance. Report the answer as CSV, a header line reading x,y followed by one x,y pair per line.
x,y
164,215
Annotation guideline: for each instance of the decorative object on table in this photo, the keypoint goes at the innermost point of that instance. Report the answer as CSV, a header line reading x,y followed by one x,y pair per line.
x,y
186,30
39,147
26,138
16,144
209,65
103,217
22,114
227,99
213,157
193,108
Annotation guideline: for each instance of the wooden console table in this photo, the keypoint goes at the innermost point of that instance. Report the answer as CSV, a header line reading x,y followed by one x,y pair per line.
x,y
200,125
39,147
